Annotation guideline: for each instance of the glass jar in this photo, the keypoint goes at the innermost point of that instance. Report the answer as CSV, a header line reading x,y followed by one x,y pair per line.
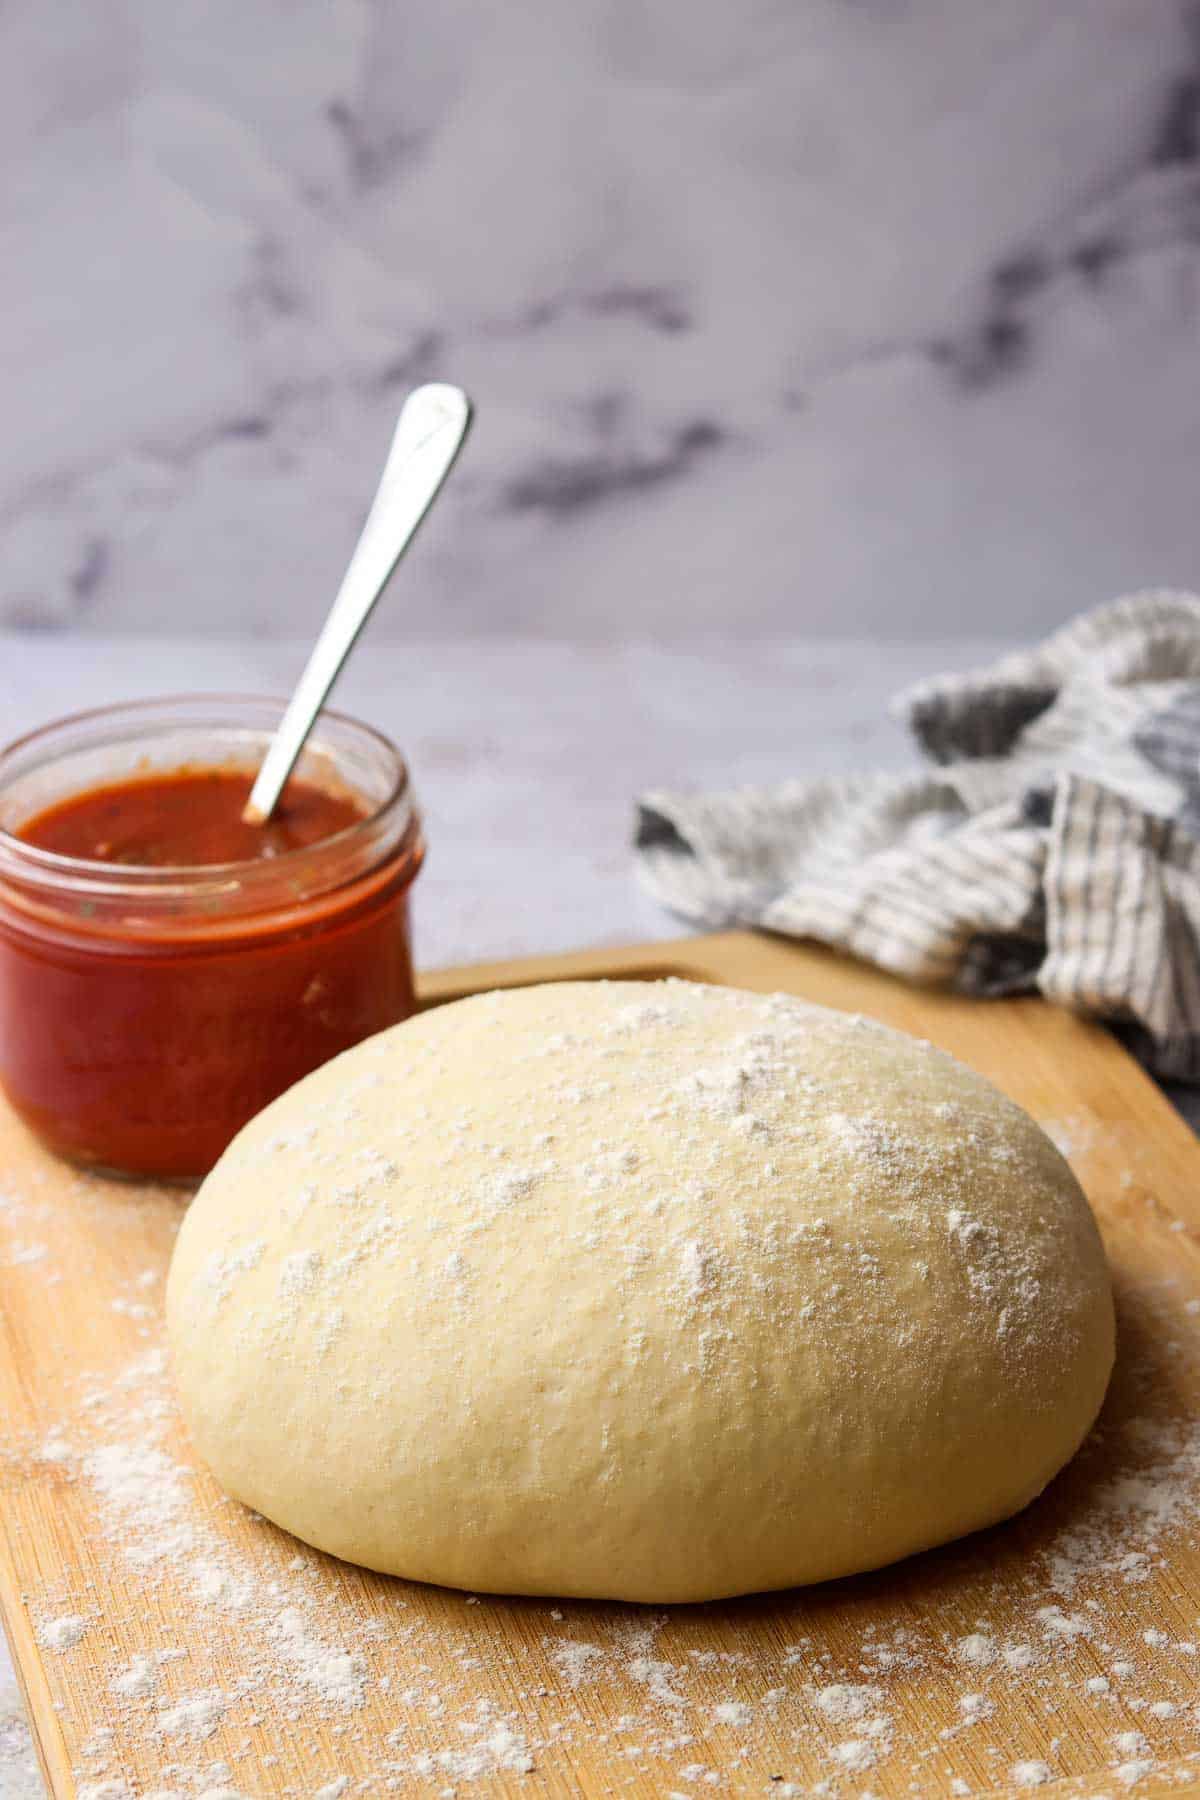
x,y
147,1013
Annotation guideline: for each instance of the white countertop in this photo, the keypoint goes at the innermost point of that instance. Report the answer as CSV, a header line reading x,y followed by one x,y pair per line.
x,y
528,757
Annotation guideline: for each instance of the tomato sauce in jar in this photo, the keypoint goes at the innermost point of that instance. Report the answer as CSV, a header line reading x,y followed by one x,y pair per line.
x,y
167,969
186,817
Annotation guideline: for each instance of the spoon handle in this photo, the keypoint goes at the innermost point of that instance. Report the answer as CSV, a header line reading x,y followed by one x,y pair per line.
x,y
433,423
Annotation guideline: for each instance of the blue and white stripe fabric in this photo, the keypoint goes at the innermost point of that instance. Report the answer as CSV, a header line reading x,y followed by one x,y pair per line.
x,y
1053,845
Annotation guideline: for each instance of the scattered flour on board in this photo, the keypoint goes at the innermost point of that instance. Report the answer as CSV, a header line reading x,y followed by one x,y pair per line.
x,y
62,1633
577,1662
1077,1134
733,1712
977,1649
1031,1773
494,1747
196,1716
843,1701
278,1648
136,1680
289,1658
335,1675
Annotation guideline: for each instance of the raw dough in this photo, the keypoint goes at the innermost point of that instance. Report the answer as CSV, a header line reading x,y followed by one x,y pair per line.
x,y
644,1291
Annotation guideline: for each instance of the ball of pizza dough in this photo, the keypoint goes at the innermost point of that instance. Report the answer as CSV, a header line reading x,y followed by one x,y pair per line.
x,y
648,1291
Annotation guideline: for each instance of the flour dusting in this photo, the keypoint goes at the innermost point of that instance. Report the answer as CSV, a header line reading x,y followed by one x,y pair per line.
x,y
226,1644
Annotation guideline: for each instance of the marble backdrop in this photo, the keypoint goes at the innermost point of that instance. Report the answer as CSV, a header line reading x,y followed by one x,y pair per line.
x,y
787,316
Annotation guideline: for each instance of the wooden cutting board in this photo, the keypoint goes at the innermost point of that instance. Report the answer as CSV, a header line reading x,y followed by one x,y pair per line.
x,y
171,1643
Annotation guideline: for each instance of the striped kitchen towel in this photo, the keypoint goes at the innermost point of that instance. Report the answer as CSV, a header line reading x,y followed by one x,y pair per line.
x,y
1053,843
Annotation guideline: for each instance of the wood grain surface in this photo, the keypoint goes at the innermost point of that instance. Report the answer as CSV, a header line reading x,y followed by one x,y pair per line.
x,y
965,1670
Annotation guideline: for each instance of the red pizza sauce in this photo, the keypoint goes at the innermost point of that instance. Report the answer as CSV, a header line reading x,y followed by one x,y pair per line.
x,y
166,970
187,818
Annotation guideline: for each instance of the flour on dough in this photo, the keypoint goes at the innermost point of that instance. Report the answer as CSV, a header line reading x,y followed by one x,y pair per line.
x,y
651,1291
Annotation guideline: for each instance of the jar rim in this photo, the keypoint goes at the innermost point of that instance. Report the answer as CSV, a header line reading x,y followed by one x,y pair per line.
x,y
394,816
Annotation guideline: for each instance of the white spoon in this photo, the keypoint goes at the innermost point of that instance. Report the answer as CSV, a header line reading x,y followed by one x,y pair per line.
x,y
433,423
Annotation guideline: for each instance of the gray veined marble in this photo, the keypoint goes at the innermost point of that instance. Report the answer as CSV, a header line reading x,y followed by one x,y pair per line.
x,y
835,315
